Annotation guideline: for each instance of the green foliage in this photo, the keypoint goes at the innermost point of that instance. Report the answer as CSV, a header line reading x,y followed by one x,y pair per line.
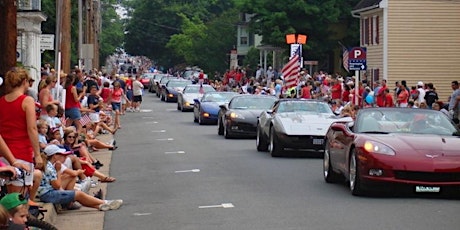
x,y
112,30
252,58
176,31
111,35
321,20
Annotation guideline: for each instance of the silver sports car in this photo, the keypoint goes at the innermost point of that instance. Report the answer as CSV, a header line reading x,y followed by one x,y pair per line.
x,y
294,124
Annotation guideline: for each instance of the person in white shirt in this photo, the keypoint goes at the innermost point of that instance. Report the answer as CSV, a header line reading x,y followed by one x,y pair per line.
x,y
421,92
138,89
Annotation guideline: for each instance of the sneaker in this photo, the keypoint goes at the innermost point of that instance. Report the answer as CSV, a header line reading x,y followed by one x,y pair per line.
x,y
115,204
104,207
74,206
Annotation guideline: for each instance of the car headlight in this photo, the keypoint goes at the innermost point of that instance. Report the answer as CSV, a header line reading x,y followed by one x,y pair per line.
x,y
379,148
234,115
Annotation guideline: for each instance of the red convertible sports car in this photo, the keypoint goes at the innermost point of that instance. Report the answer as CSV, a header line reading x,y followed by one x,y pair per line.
x,y
416,149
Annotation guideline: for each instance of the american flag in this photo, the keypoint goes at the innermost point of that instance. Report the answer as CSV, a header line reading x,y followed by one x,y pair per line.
x,y
85,120
291,70
345,58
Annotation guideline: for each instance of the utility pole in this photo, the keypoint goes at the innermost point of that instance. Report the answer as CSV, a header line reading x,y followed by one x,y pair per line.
x,y
66,37
8,35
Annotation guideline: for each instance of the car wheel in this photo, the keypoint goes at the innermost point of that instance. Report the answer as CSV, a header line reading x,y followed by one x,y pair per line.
x,y
261,142
178,105
274,146
227,134
220,127
329,175
354,175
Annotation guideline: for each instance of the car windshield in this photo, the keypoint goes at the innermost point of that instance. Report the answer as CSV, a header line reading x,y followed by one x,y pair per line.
x,y
196,89
182,84
303,107
217,97
158,77
250,102
404,120
164,80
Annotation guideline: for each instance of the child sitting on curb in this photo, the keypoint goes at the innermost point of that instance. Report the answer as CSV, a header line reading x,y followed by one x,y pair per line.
x,y
51,190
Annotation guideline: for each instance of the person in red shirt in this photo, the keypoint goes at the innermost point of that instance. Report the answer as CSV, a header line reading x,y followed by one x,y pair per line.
x,y
403,97
388,98
336,89
381,95
305,91
19,129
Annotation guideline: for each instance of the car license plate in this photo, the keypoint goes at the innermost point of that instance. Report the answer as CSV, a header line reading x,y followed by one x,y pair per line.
x,y
427,189
317,141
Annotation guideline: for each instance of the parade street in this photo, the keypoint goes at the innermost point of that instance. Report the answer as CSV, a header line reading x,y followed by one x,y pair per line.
x,y
175,174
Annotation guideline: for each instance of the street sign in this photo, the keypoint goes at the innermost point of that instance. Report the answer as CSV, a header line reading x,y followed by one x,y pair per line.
x,y
46,41
357,59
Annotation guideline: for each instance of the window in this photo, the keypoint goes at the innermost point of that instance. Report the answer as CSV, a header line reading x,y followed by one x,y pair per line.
x,y
243,40
370,34
375,30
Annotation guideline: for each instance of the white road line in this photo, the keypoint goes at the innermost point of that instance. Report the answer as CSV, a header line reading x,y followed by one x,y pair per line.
x,y
186,171
159,131
147,118
225,205
142,214
146,110
175,152
165,139
151,122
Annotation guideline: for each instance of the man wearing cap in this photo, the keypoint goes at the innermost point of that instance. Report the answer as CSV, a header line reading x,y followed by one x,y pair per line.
x,y
421,92
51,190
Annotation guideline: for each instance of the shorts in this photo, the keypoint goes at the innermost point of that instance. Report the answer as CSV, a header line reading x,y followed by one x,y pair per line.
x,y
89,169
137,98
116,106
94,117
28,177
58,196
129,94
73,113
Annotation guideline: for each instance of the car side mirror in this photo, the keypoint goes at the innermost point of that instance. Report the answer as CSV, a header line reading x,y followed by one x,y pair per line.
x,y
196,100
270,111
224,106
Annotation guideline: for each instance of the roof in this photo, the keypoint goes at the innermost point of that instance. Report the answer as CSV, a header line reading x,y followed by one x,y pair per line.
x,y
366,4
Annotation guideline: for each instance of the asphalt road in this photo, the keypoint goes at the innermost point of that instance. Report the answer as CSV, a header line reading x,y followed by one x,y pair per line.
x,y
175,174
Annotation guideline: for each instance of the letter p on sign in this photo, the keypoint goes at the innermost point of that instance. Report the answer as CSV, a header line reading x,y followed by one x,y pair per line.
x,y
357,53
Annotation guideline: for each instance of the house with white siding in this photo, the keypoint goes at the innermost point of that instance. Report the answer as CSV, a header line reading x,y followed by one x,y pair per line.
x,y
412,40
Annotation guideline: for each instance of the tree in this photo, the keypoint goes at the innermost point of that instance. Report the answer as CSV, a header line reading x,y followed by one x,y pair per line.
x,y
322,20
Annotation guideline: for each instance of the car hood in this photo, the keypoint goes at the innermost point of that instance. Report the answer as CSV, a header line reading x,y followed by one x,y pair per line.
x,y
422,144
175,89
306,124
250,115
211,107
189,97
431,153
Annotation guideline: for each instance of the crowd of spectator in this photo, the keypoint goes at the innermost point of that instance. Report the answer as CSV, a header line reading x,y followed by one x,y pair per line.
x,y
48,134
341,92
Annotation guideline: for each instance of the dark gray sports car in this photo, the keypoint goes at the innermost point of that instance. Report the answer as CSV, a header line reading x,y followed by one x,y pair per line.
x,y
239,117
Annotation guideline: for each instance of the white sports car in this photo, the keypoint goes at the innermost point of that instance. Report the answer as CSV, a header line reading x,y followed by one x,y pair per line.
x,y
185,99
294,124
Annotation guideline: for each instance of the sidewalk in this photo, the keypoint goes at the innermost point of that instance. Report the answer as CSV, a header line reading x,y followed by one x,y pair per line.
x,y
84,218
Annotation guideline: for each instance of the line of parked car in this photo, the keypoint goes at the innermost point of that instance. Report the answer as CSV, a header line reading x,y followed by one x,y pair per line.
x,y
417,150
